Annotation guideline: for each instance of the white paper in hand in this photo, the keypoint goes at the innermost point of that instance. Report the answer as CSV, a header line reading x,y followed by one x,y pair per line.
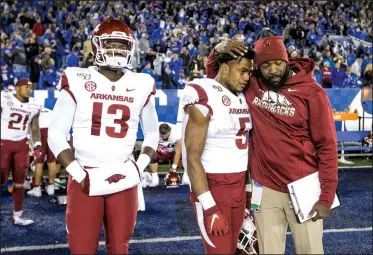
x,y
304,193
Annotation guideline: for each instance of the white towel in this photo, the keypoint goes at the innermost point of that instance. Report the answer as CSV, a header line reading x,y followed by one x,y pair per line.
x,y
113,178
140,198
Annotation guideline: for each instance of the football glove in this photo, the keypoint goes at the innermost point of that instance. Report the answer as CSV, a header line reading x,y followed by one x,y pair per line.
x,y
215,221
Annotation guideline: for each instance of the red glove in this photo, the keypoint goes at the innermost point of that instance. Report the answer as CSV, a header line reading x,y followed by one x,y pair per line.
x,y
37,152
248,199
215,221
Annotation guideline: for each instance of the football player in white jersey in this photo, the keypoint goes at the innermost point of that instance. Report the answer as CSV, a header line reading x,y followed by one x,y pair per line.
x,y
104,105
169,148
215,151
44,120
19,113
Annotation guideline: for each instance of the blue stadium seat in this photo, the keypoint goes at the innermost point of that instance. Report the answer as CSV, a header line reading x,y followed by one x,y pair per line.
x,y
352,136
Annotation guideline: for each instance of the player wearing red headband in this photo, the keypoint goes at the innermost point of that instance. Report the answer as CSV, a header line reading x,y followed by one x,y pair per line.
x,y
19,114
293,136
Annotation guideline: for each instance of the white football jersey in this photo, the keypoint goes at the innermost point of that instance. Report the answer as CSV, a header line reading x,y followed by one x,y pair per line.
x,y
107,113
16,116
226,147
175,136
45,118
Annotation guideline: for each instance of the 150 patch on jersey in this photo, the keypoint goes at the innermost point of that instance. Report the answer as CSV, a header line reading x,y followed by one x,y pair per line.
x,y
84,76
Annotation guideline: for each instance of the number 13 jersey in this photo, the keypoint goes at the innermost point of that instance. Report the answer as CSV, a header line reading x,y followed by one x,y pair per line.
x,y
107,113
226,147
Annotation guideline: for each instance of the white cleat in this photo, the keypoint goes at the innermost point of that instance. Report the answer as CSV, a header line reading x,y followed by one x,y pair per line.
x,y
154,180
50,189
35,192
145,179
19,220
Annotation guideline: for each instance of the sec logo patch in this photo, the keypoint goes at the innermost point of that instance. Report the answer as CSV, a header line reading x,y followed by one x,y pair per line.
x,y
90,86
226,100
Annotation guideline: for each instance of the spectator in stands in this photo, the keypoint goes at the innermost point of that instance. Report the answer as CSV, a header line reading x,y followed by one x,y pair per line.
x,y
31,47
317,74
73,59
351,80
175,64
328,57
338,76
19,60
7,75
148,69
368,76
185,57
46,59
38,27
180,79
356,67
167,79
326,76
35,69
51,78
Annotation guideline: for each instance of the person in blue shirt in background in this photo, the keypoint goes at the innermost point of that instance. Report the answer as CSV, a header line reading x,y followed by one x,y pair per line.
x,y
338,76
7,75
352,80
73,58
148,69
51,78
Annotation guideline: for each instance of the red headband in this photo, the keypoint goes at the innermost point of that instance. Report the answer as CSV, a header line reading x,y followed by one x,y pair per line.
x,y
270,48
23,82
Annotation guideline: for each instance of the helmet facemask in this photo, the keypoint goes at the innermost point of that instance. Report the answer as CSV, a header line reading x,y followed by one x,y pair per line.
x,y
116,58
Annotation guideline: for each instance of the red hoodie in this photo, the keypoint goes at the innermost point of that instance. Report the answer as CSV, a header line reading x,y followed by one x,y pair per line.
x,y
293,131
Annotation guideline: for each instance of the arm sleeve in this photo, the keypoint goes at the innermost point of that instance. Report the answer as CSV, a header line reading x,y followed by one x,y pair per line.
x,y
61,122
149,124
212,67
325,141
195,94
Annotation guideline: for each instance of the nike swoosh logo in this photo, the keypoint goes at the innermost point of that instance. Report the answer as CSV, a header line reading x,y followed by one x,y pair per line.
x,y
214,217
292,90
128,90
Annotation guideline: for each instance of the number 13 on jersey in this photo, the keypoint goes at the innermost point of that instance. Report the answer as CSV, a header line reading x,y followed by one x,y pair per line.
x,y
241,140
113,109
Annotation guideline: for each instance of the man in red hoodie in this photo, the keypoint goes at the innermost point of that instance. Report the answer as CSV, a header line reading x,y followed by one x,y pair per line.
x,y
293,136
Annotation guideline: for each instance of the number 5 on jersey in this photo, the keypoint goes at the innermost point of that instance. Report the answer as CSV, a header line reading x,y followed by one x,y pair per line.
x,y
241,142
112,109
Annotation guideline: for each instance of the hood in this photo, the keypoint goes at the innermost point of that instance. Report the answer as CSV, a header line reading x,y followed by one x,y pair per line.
x,y
304,69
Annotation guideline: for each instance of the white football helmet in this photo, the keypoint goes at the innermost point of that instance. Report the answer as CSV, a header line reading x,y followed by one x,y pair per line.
x,y
247,241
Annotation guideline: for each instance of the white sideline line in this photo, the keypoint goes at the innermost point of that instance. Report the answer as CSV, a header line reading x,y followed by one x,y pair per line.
x,y
155,240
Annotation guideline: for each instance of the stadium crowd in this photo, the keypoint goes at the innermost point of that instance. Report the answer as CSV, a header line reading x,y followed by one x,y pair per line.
x,y
41,38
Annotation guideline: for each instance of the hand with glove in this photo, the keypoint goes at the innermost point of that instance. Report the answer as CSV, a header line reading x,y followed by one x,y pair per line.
x,y
216,223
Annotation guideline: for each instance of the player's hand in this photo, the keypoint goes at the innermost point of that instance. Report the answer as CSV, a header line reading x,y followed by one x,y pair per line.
x,y
37,152
322,211
248,199
215,221
231,47
84,185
